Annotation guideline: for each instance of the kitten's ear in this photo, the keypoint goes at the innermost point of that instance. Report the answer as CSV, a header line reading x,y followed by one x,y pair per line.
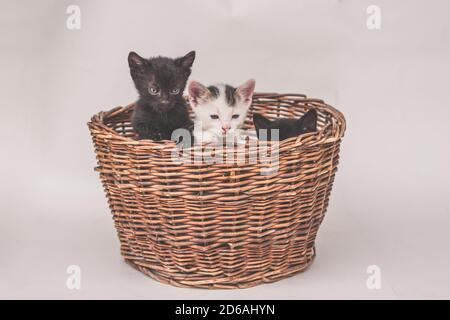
x,y
245,91
308,123
261,122
187,60
197,92
135,61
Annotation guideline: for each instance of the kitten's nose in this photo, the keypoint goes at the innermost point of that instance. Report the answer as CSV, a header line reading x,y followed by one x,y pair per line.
x,y
164,98
225,128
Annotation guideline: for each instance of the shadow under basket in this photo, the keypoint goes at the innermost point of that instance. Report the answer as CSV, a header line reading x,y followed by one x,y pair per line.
x,y
219,224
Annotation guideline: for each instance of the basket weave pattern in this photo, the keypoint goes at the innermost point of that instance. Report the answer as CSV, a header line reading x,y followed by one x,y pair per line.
x,y
219,225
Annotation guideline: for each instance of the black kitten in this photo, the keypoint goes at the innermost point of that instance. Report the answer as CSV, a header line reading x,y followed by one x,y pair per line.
x,y
287,127
160,82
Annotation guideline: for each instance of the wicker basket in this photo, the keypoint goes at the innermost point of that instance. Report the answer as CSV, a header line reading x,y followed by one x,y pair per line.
x,y
219,225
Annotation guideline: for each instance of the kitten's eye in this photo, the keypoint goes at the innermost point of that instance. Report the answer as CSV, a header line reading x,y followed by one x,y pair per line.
x,y
214,116
235,116
175,91
153,90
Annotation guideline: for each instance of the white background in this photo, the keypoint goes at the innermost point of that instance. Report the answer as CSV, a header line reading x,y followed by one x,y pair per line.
x,y
390,204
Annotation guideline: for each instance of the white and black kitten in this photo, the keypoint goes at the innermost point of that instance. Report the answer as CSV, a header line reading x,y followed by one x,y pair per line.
x,y
160,82
287,127
220,110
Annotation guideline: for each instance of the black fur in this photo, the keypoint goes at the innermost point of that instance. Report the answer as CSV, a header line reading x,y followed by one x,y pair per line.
x,y
157,115
214,91
230,95
287,127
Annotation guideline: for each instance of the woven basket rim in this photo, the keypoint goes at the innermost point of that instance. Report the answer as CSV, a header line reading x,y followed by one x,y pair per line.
x,y
99,120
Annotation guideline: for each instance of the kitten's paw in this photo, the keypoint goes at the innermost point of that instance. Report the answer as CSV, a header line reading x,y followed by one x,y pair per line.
x,y
205,138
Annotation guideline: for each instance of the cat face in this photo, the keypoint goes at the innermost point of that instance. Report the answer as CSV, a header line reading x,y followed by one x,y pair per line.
x,y
160,81
220,108
287,127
